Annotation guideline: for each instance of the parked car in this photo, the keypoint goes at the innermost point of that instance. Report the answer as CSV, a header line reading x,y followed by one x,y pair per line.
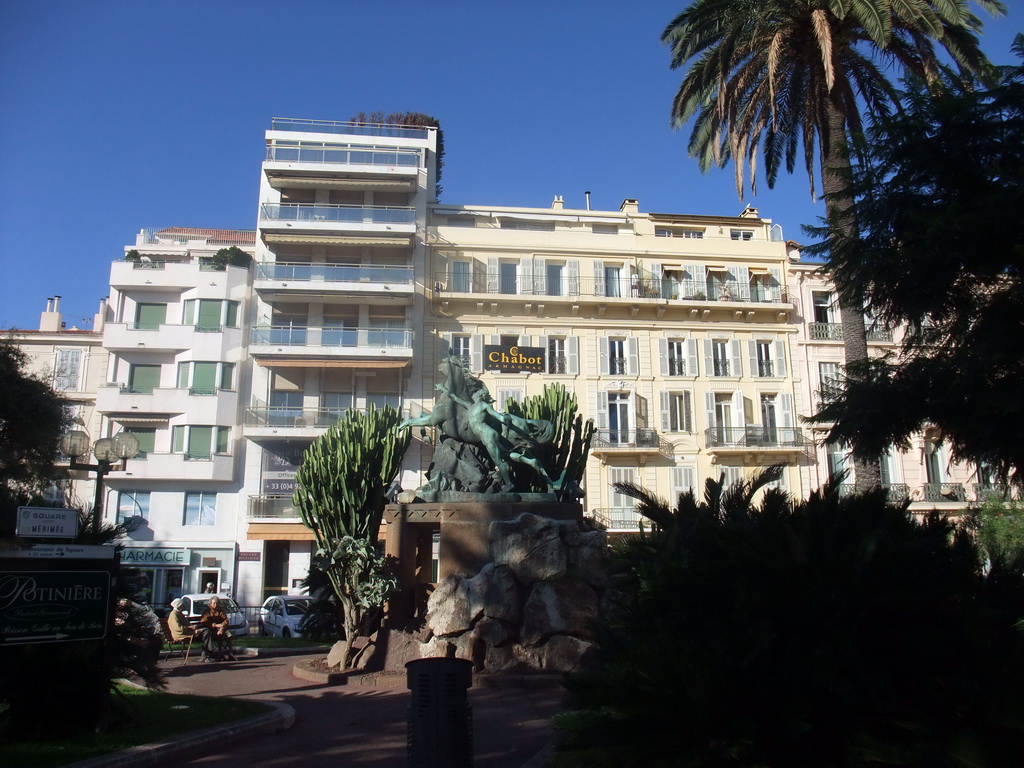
x,y
283,615
193,606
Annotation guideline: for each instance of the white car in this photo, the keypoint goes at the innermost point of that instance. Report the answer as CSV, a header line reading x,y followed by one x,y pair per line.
x,y
194,606
282,615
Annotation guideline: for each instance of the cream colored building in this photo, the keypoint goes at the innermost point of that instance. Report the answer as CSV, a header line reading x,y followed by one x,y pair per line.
x,y
674,331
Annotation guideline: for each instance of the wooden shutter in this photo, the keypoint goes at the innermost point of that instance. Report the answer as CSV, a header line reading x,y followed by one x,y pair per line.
x,y
736,364
663,353
573,353
691,358
632,355
779,347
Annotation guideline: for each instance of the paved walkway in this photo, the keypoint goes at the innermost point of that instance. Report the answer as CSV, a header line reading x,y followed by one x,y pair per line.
x,y
354,725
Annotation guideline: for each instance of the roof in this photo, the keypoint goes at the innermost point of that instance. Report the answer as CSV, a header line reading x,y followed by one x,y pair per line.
x,y
211,236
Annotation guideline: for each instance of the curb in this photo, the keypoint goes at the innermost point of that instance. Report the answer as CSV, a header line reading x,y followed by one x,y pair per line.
x,y
192,744
398,679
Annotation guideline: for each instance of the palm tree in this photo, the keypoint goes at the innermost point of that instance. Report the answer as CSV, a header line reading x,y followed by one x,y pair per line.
x,y
789,78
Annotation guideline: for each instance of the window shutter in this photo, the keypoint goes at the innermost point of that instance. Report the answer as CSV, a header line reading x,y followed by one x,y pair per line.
x,y
524,340
601,411
775,289
603,355
709,410
652,284
476,352
742,286
640,409
786,407
542,342
736,366
700,279
738,419
709,359
492,274
444,345
691,358
572,279
687,411
540,277
599,287
573,344
779,347
752,356
663,354
665,421
183,369
632,356
526,275
683,481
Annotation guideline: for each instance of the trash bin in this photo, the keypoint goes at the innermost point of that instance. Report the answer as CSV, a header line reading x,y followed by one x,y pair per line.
x,y
440,719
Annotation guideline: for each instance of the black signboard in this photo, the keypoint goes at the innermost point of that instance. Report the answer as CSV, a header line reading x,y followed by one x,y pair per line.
x,y
52,606
498,357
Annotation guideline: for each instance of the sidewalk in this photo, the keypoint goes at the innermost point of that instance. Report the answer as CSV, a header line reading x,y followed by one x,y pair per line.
x,y
350,725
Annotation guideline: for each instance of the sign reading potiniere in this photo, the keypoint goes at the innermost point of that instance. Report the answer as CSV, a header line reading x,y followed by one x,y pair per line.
x,y
47,522
53,606
502,358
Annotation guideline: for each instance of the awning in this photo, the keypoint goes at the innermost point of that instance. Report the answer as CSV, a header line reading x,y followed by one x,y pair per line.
x,y
715,268
401,185
337,239
130,420
758,270
271,362
279,532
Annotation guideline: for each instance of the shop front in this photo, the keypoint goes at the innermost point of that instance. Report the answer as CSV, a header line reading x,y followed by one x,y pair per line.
x,y
162,573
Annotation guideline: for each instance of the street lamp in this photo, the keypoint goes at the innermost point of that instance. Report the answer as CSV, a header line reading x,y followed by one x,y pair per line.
x,y
108,452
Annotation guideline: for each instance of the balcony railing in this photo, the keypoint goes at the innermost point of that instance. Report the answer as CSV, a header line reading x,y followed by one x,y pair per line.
x,y
834,332
316,152
271,507
940,492
650,288
333,273
895,492
304,336
270,416
354,129
630,440
753,436
985,491
621,519
344,214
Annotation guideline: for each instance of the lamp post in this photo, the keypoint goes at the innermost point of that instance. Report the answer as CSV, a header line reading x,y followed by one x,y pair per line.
x,y
108,452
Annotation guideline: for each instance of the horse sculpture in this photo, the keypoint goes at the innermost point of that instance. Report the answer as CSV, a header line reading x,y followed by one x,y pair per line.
x,y
465,417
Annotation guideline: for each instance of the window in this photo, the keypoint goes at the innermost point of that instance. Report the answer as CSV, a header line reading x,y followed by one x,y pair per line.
x,y
147,440
67,371
604,229
149,317
461,221
462,276
508,273
741,234
553,273
205,377
618,417
687,232
505,394
333,406
132,504
684,480
830,384
379,399
616,356
612,278
200,508
837,462
623,506
767,359
677,358
211,314
143,379
460,347
557,360
199,443
765,369
769,419
677,411
530,226
823,306
720,358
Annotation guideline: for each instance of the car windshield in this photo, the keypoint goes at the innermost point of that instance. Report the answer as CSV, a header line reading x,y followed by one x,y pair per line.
x,y
226,604
297,607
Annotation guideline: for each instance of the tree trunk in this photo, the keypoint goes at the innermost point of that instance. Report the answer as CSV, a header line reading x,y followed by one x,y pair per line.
x,y
841,217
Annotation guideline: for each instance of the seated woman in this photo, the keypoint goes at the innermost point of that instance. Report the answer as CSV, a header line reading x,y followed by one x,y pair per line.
x,y
215,622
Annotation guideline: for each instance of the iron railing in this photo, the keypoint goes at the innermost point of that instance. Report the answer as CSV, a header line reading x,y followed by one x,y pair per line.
x,y
630,440
620,519
343,214
352,128
302,336
834,332
271,507
940,492
753,436
332,273
317,152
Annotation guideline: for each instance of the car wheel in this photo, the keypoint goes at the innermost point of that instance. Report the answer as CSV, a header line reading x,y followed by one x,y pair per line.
x,y
263,629
285,632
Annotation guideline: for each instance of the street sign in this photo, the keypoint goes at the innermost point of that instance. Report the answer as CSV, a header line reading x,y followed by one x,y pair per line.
x,y
53,606
59,552
47,522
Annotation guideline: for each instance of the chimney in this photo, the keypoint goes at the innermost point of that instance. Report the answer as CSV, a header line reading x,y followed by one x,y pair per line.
x,y
557,203
750,212
630,205
100,317
49,321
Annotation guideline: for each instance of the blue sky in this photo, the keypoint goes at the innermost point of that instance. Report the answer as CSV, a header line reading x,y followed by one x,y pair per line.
x,y
124,115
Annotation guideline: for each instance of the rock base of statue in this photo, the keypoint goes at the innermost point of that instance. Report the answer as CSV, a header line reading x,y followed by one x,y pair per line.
x,y
518,589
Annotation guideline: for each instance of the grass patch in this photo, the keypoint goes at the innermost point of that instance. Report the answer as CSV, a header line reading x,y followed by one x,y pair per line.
x,y
255,641
151,717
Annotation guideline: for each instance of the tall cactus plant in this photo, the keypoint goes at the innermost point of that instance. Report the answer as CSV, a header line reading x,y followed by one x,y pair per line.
x,y
341,493
567,462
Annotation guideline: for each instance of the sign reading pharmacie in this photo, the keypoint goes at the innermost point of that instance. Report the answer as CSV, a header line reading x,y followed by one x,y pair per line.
x,y
498,357
135,556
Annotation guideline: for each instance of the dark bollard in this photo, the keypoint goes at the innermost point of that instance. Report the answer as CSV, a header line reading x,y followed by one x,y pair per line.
x,y
440,718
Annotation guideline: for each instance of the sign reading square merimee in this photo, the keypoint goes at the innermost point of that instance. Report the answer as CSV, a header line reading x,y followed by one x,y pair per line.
x,y
47,522
53,606
498,357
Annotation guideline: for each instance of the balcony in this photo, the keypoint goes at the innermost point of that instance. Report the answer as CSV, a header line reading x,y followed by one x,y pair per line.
x,y
330,218
350,128
182,466
218,406
992,491
618,441
166,337
274,508
896,493
753,438
834,332
574,288
939,493
332,342
287,156
164,275
285,279
621,519
268,422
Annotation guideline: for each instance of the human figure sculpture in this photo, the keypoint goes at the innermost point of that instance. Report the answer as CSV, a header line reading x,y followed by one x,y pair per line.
x,y
467,419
